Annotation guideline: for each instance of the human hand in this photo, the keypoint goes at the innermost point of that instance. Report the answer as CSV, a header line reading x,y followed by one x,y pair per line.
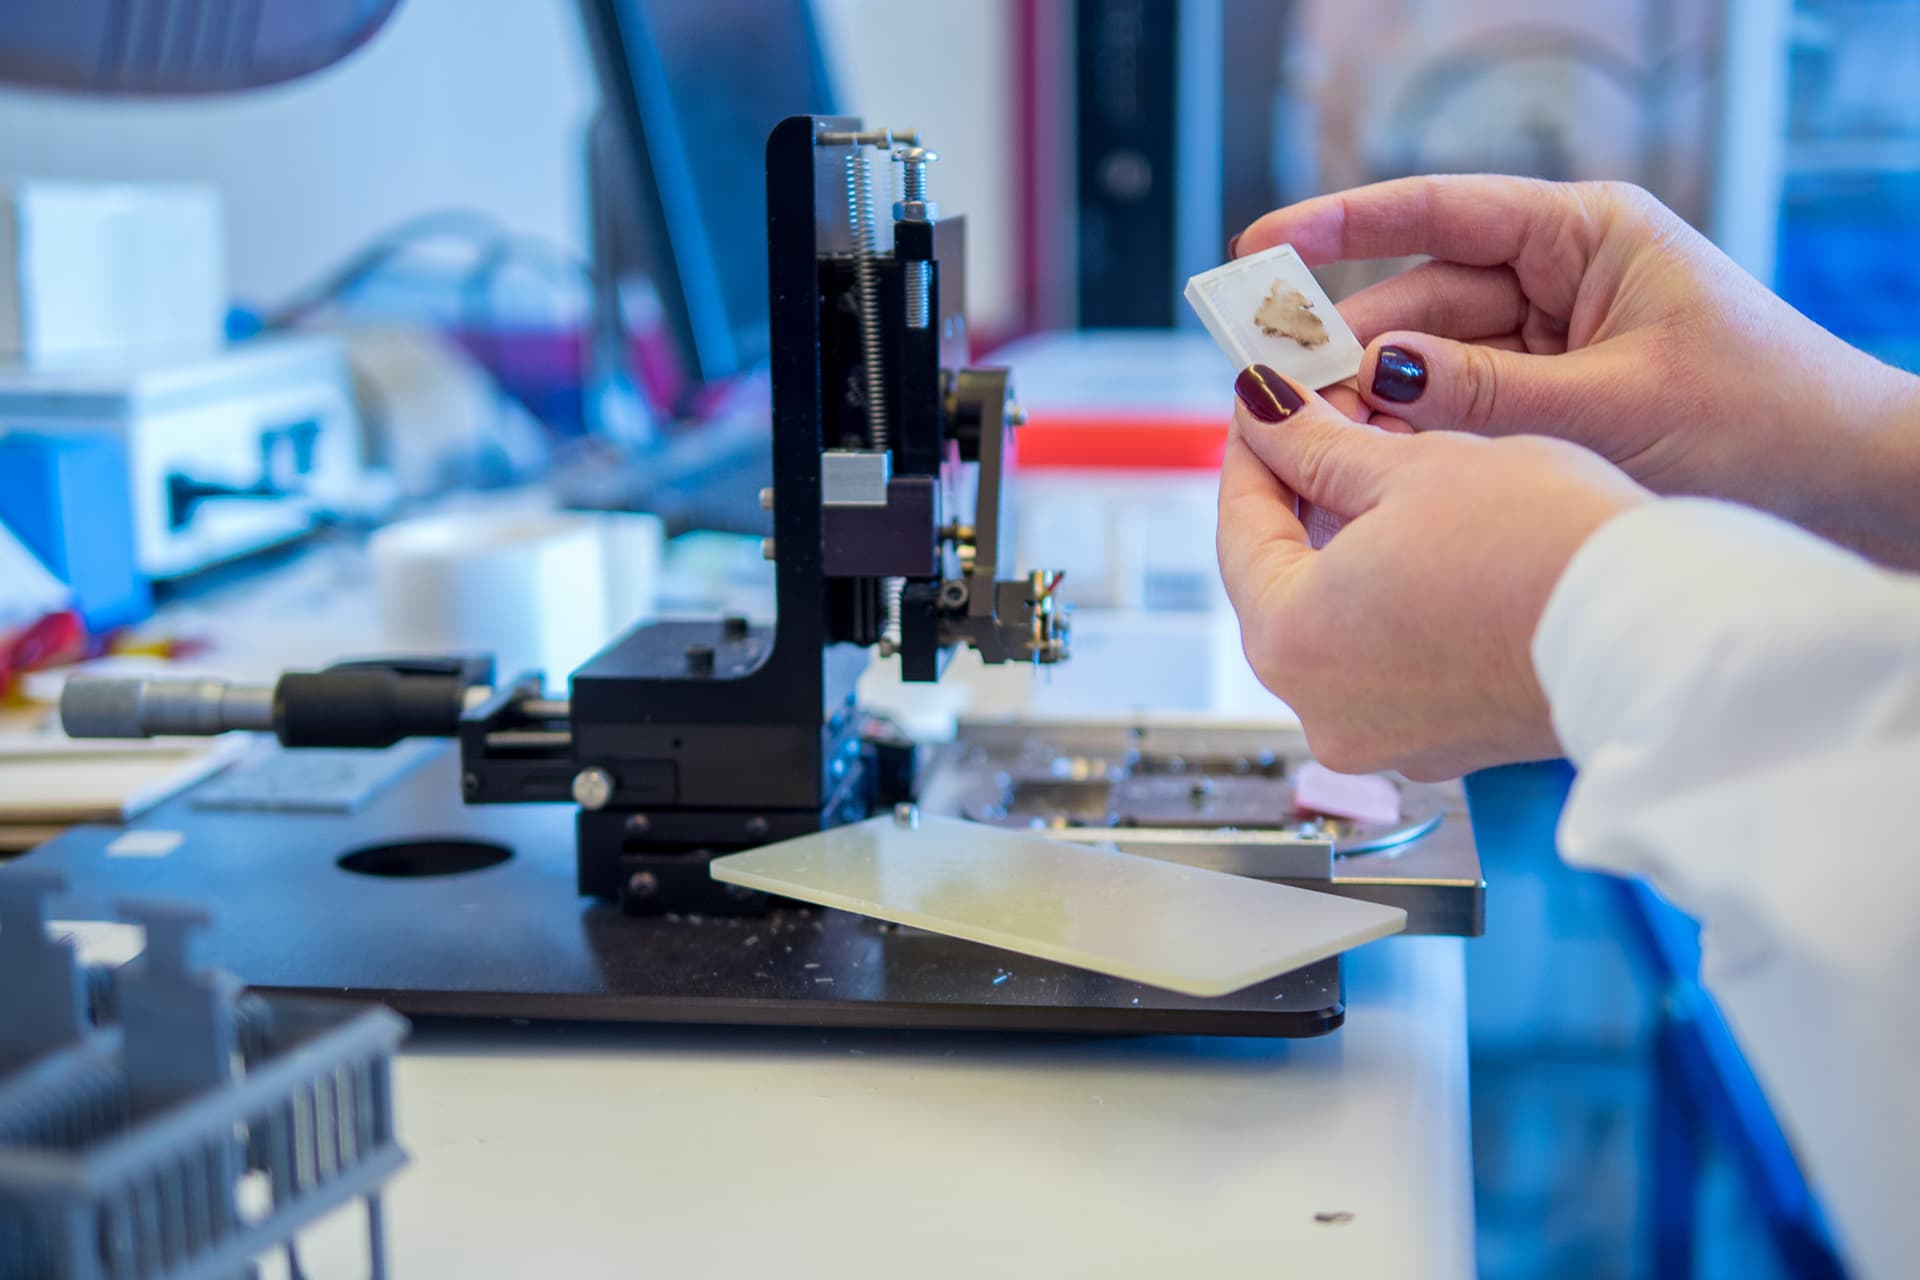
x,y
1406,642
1591,312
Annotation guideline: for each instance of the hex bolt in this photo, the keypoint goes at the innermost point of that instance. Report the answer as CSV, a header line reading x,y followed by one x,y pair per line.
x,y
766,499
766,548
757,828
638,824
916,277
906,815
913,188
642,884
593,787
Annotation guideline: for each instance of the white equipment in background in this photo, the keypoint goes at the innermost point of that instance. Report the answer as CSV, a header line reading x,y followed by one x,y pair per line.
x,y
90,269
228,451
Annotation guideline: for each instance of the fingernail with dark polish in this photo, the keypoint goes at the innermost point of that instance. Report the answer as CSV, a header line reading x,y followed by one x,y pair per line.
x,y
1268,396
1400,375
1233,247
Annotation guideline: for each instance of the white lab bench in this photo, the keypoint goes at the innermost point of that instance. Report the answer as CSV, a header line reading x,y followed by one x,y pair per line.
x,y
589,1151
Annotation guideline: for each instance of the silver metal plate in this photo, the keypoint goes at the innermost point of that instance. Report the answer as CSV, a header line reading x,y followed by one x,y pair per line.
x,y
855,477
1216,796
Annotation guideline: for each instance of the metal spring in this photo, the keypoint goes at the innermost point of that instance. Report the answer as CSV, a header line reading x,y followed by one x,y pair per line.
x,y
891,590
860,215
866,242
919,301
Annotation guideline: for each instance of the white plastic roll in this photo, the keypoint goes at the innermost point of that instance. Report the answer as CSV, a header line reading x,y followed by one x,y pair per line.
x,y
538,590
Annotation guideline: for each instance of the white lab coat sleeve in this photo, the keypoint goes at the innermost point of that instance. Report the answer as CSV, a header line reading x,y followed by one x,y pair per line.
x,y
1742,701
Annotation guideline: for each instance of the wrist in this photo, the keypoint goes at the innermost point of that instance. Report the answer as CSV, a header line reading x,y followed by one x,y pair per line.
x,y
1871,502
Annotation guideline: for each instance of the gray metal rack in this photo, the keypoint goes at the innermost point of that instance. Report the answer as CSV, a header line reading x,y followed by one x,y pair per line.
x,y
158,1123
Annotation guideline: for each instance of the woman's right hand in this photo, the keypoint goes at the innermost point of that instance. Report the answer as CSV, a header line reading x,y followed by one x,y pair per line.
x,y
1591,312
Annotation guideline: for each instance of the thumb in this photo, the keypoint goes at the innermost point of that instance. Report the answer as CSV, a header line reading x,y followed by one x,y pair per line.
x,y
1436,384
1325,457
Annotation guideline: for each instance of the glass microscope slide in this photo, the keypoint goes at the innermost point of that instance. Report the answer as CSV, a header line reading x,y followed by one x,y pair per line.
x,y
1202,933
1267,308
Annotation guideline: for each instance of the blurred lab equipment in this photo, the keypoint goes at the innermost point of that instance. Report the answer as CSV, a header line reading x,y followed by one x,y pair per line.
x,y
541,591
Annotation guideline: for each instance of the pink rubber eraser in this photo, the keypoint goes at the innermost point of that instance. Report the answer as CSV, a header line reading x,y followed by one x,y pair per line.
x,y
1359,797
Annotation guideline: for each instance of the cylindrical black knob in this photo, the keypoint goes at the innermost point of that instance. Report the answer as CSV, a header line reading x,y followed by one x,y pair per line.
x,y
365,707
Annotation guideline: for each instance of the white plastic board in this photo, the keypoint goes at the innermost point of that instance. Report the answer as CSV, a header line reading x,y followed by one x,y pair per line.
x,y
1202,933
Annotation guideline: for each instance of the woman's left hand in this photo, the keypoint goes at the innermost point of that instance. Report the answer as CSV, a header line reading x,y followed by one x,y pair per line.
x,y
1406,642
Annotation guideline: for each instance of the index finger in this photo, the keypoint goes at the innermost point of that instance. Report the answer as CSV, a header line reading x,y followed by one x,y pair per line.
x,y
1478,220
1260,537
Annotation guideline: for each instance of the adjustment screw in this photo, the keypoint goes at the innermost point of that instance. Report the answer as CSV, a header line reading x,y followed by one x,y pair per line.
x,y
700,659
642,884
766,548
639,824
757,828
593,787
906,815
766,499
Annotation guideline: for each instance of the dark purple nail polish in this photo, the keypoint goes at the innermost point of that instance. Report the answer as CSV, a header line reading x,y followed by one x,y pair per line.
x,y
1233,247
1268,396
1400,375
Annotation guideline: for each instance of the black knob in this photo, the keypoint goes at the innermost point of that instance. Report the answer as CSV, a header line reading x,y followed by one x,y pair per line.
x,y
700,659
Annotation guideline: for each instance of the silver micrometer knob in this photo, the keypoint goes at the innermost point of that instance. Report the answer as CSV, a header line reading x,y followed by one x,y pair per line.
x,y
114,707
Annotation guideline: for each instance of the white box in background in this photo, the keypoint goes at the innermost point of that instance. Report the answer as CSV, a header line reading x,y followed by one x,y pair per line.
x,y
97,270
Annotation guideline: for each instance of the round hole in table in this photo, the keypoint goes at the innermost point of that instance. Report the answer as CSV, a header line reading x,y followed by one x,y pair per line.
x,y
413,859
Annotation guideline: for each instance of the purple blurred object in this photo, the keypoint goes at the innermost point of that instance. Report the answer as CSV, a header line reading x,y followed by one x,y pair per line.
x,y
178,47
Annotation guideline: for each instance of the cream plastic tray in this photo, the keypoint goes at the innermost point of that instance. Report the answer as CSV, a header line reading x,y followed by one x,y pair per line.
x,y
1202,933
